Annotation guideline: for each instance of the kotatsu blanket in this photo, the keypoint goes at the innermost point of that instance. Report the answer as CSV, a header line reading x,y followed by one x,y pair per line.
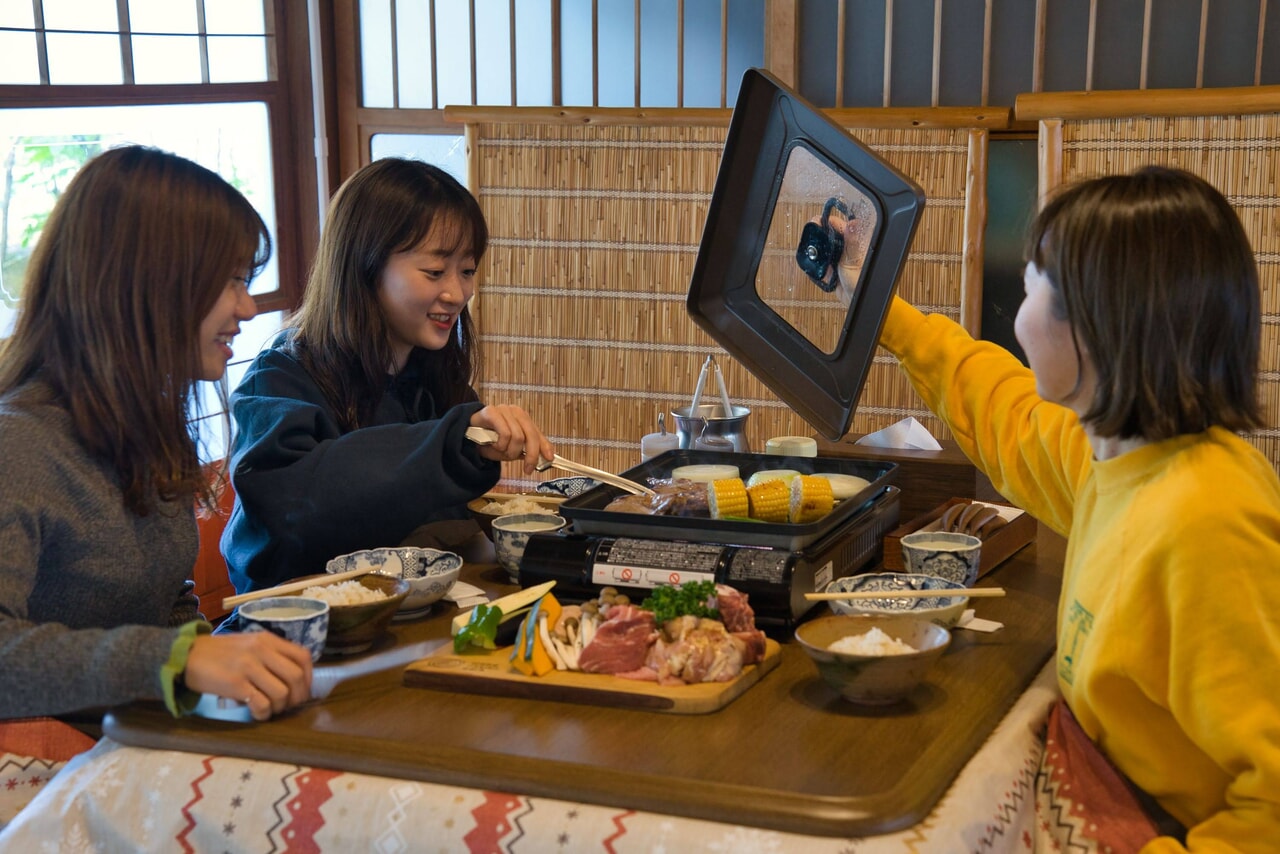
x,y
162,800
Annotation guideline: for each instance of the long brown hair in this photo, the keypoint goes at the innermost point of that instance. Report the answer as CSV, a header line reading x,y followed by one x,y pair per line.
x,y
133,257
1155,275
341,338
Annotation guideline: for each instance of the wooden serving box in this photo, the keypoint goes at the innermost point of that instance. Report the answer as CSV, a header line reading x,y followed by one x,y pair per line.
x,y
996,548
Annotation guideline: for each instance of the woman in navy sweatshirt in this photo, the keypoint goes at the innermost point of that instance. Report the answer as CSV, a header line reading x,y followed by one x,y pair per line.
x,y
349,429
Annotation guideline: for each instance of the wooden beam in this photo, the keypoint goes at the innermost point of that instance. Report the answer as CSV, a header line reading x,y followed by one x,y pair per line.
x,y
1037,48
975,230
781,40
986,53
1121,103
346,41
598,116
936,88
989,118
887,93
1049,149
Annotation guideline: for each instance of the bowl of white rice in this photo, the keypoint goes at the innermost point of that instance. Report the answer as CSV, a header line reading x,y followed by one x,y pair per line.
x,y
874,659
491,505
359,609
429,572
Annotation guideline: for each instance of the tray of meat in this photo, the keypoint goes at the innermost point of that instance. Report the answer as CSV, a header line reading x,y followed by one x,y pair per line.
x,y
686,650
698,499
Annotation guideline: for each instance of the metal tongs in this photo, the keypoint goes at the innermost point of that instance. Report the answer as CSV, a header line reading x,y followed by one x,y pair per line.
x,y
481,436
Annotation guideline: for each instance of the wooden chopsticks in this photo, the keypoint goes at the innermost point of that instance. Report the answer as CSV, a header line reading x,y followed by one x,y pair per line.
x,y
972,593
293,587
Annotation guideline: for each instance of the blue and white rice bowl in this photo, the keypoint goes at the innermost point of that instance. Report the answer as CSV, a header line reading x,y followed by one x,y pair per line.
x,y
430,573
943,610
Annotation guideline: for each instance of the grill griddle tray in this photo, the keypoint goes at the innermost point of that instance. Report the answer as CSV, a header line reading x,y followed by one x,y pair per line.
x,y
588,515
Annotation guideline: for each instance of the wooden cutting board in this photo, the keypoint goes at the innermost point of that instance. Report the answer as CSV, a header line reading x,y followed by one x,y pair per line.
x,y
490,672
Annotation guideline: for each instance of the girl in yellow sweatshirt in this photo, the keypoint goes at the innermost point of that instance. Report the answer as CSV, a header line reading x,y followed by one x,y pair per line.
x,y
1141,326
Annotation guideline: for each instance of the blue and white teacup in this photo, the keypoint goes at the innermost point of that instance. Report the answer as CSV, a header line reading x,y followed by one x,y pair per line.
x,y
511,536
955,557
294,618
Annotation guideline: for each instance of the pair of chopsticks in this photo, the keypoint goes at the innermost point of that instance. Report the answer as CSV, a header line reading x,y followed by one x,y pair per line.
x,y
972,593
483,436
293,587
707,366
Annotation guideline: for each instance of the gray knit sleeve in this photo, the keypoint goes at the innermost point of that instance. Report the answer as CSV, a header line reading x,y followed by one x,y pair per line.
x,y
88,590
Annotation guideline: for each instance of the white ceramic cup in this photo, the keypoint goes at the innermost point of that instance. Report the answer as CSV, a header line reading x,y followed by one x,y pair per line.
x,y
955,557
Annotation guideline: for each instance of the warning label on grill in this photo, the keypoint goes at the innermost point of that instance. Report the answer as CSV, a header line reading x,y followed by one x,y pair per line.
x,y
652,563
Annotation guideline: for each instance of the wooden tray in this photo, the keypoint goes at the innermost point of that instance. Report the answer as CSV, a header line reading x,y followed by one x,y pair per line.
x,y
996,549
490,672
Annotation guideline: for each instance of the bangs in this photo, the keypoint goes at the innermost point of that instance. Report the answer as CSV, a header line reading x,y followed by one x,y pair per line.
x,y
453,232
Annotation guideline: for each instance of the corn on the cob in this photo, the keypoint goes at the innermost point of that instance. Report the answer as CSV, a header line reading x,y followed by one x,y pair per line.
x,y
770,501
727,498
811,498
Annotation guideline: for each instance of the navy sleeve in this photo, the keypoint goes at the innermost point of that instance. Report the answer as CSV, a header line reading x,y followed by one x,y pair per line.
x,y
306,492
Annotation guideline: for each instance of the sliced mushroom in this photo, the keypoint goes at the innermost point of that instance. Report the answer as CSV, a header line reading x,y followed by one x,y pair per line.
x,y
549,643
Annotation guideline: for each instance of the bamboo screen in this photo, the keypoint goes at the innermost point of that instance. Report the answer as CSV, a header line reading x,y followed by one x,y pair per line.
x,y
594,234
1238,155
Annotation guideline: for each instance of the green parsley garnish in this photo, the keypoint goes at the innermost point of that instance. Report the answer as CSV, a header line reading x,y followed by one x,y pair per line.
x,y
689,599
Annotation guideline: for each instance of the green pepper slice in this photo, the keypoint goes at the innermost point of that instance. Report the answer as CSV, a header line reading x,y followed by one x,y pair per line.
x,y
481,630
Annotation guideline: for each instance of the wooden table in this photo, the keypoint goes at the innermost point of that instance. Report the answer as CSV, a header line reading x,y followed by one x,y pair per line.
x,y
789,754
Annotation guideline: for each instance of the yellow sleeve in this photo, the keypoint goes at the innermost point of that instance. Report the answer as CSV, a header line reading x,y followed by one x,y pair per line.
x,y
1034,452
179,699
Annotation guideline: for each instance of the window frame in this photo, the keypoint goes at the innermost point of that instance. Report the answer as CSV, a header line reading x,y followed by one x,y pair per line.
x,y
290,121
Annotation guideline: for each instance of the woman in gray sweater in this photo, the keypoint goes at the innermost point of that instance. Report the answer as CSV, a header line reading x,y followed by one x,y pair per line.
x,y
134,292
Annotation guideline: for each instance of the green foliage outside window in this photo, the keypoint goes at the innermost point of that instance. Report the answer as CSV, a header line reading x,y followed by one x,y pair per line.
x,y
35,171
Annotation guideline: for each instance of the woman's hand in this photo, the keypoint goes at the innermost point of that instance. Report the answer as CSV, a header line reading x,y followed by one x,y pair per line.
x,y
267,673
855,233
518,436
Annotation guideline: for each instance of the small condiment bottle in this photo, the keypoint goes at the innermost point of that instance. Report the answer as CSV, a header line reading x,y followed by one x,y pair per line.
x,y
652,444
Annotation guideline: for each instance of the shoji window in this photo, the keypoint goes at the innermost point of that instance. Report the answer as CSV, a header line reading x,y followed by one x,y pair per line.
x,y
207,79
